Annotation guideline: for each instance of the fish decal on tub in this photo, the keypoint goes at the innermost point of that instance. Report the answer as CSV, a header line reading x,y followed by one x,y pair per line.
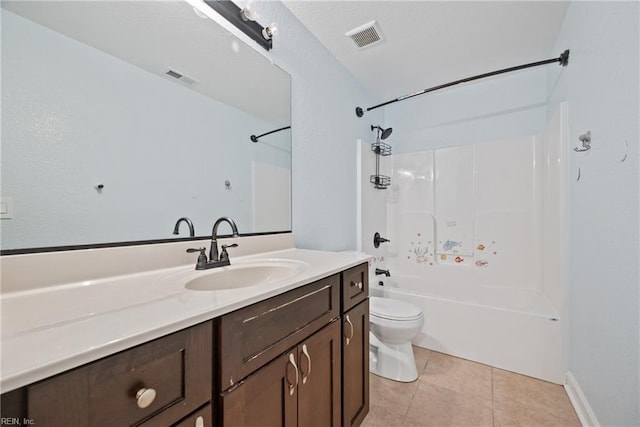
x,y
450,244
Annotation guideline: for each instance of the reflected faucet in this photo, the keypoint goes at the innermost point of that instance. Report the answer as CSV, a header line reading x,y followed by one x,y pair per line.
x,y
213,253
176,229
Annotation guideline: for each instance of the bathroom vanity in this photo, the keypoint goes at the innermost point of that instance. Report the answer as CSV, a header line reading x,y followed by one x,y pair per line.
x,y
292,352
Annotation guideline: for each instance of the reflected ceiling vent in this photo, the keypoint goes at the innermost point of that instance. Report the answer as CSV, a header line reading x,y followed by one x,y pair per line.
x,y
366,35
183,78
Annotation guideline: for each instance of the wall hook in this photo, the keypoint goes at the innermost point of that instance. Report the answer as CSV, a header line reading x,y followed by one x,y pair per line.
x,y
227,185
99,188
586,142
626,151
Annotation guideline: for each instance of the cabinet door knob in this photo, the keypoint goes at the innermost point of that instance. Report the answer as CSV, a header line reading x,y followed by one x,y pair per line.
x,y
305,351
292,386
360,285
145,397
350,335
199,422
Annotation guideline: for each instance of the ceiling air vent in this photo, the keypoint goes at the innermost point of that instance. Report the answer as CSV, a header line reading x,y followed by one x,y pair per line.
x,y
180,76
366,35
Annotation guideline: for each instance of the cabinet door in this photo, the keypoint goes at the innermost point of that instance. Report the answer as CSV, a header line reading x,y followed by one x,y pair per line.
x,y
266,398
319,394
355,364
254,335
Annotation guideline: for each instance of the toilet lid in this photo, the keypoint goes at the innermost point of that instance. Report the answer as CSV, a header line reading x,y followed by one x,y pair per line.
x,y
392,309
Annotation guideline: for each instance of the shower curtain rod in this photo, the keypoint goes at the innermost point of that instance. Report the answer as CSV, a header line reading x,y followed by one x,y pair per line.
x,y
563,59
255,138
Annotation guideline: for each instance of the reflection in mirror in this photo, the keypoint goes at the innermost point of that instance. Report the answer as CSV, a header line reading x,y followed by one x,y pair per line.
x,y
119,118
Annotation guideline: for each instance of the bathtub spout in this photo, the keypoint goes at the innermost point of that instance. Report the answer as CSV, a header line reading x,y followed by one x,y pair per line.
x,y
385,272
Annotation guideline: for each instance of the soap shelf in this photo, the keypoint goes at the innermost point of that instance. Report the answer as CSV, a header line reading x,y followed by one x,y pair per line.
x,y
381,148
381,182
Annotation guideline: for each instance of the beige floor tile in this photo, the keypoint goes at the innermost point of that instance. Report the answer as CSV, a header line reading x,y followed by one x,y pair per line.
x,y
524,401
379,417
458,392
422,357
391,396
437,406
459,375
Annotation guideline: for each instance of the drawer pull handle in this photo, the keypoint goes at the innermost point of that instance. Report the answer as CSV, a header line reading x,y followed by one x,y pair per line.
x,y
292,387
357,285
145,397
360,285
350,335
306,353
199,422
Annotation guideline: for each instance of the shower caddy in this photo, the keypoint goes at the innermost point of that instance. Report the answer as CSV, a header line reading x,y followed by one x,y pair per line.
x,y
379,181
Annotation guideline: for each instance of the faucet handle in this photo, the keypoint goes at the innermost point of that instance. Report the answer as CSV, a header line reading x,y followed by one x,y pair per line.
x,y
202,258
224,255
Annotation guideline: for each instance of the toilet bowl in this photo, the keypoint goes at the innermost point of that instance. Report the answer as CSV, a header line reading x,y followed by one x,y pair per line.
x,y
392,326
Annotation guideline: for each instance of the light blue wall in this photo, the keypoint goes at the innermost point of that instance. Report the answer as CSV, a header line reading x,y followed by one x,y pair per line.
x,y
507,106
601,86
324,131
74,116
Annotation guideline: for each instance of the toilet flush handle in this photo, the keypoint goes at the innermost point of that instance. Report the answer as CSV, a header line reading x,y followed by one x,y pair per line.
x,y
350,335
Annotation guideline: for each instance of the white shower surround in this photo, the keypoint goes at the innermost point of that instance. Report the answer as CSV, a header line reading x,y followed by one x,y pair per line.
x,y
498,298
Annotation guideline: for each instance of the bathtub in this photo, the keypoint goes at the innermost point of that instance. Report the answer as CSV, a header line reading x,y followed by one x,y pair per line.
x,y
514,329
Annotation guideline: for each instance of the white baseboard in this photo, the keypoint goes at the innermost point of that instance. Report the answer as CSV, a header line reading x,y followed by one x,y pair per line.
x,y
579,402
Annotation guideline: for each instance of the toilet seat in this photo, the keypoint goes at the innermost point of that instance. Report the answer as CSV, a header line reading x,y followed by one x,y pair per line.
x,y
390,309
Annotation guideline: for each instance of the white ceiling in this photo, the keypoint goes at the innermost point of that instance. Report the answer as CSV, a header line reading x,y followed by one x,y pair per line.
x,y
427,43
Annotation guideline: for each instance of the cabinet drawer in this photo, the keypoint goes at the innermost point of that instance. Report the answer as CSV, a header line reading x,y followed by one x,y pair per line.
x,y
355,286
176,367
254,335
203,417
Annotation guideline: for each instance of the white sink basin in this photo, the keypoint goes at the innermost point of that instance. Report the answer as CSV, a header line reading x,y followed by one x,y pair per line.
x,y
244,275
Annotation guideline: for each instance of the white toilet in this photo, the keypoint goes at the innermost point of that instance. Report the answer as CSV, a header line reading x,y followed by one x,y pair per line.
x,y
392,326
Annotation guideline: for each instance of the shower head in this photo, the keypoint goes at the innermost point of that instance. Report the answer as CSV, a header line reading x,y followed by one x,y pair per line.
x,y
384,133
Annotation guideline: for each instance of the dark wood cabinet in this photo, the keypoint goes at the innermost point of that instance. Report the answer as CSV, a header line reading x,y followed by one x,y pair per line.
x,y
265,398
355,286
154,384
254,335
203,417
355,345
297,359
355,364
319,391
299,388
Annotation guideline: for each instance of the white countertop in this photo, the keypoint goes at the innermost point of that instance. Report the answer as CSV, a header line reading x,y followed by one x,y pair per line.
x,y
50,330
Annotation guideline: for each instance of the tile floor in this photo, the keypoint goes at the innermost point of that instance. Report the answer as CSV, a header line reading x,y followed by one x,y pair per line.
x,y
456,392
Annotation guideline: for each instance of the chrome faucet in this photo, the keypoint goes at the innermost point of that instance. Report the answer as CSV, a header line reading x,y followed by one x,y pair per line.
x,y
215,260
189,224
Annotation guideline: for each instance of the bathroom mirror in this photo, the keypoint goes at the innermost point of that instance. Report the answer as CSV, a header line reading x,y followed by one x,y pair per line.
x,y
120,117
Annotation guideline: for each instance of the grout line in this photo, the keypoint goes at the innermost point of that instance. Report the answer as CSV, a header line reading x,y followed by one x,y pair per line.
x,y
415,391
493,400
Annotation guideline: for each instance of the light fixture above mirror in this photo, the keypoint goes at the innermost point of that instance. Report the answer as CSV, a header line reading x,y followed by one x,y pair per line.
x,y
245,20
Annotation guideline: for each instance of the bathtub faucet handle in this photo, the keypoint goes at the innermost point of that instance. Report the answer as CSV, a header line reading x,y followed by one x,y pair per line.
x,y
377,239
381,271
